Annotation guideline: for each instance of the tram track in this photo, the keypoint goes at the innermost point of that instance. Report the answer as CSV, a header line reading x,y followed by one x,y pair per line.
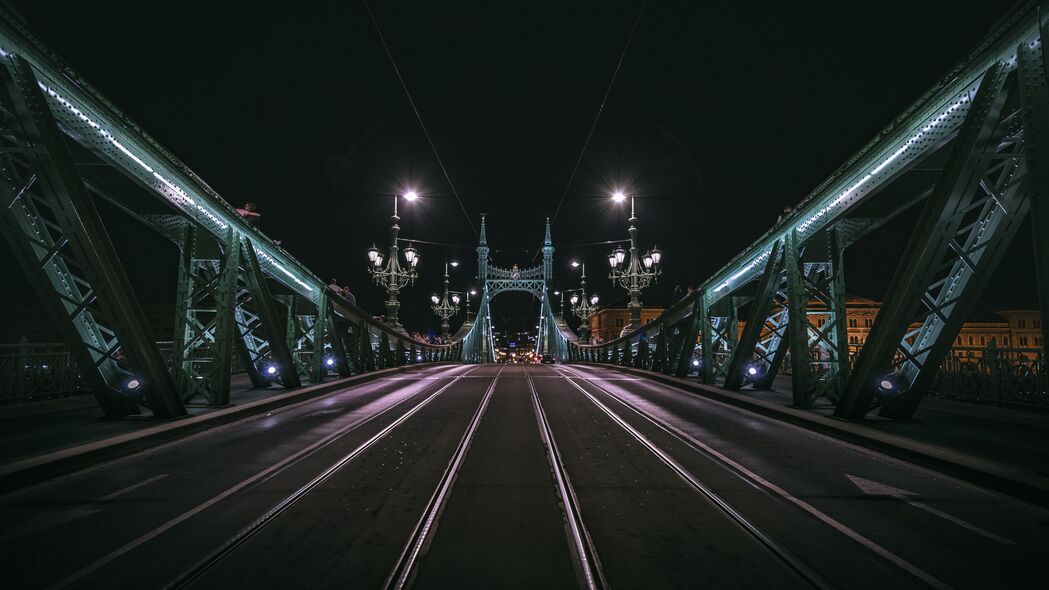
x,y
404,569
270,472
787,557
584,553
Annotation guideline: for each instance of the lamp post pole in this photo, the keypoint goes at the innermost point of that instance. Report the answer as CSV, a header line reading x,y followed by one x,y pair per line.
x,y
443,307
640,271
393,277
584,307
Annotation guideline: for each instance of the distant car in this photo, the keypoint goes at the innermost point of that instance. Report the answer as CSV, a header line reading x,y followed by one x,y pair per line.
x,y
548,359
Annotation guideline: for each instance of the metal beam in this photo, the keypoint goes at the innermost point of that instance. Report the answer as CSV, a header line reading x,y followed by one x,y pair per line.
x,y
61,242
744,349
970,217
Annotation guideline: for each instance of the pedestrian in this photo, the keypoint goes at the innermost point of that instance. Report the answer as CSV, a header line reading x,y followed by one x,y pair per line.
x,y
250,213
786,213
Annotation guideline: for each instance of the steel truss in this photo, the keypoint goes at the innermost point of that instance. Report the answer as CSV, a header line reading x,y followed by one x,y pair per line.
x,y
975,210
57,235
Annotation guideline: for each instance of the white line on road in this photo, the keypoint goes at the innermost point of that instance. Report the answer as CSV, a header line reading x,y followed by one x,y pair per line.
x,y
873,488
754,477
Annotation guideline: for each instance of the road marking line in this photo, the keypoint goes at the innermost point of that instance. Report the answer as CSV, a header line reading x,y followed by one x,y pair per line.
x,y
828,520
272,469
130,488
873,488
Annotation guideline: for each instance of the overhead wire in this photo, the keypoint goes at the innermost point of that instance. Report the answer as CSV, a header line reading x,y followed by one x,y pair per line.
x,y
600,110
418,116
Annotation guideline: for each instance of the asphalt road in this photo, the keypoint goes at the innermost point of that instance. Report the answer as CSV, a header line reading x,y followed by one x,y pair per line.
x,y
515,477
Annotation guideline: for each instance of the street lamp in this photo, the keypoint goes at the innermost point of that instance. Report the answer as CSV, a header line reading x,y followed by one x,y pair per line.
x,y
392,275
443,307
584,307
637,273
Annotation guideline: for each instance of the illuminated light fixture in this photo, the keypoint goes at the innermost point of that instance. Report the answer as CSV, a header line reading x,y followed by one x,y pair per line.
x,y
454,263
132,384
435,299
575,264
411,255
612,259
620,255
656,254
456,299
411,196
574,299
373,254
593,299
618,197
752,371
378,261
473,291
695,362
886,385
329,361
647,260
557,292
271,370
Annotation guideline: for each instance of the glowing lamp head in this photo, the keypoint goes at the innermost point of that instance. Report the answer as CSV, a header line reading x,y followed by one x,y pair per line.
x,y
329,362
695,362
557,292
435,299
454,263
647,260
473,291
752,371
574,299
411,255
411,196
593,299
886,385
271,370
575,264
373,254
657,255
133,384
620,255
618,197
378,261
455,299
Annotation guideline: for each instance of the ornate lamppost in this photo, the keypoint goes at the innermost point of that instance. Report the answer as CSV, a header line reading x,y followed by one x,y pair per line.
x,y
637,273
445,307
393,276
582,307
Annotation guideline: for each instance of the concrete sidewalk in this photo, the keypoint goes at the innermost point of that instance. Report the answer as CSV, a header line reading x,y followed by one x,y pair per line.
x,y
50,438
1000,449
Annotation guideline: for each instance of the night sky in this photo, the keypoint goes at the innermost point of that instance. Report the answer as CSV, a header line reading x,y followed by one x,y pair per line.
x,y
719,117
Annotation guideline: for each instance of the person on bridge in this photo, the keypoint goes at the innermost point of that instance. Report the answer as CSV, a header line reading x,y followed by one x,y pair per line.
x,y
250,213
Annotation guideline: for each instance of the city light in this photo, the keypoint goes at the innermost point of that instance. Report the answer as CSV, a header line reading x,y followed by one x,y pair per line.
x,y
271,370
329,361
575,264
132,384
411,196
618,197
454,263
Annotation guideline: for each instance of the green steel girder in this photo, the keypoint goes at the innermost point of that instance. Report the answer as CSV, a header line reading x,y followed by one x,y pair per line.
x,y
60,241
819,355
970,218
271,322
744,350
1033,70
921,130
204,317
659,356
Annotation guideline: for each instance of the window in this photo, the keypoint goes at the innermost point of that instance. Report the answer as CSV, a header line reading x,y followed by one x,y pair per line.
x,y
868,322
619,322
970,341
983,342
854,340
820,322
1021,323
852,322
1037,323
1023,340
1005,340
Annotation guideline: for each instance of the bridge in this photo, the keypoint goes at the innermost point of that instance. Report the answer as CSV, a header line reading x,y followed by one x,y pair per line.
x,y
287,437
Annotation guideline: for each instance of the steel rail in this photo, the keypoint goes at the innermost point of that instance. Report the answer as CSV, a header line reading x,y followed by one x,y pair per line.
x,y
194,572
582,546
756,480
403,570
785,555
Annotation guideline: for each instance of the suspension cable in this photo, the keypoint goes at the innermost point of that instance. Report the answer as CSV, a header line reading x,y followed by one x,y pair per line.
x,y
419,116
